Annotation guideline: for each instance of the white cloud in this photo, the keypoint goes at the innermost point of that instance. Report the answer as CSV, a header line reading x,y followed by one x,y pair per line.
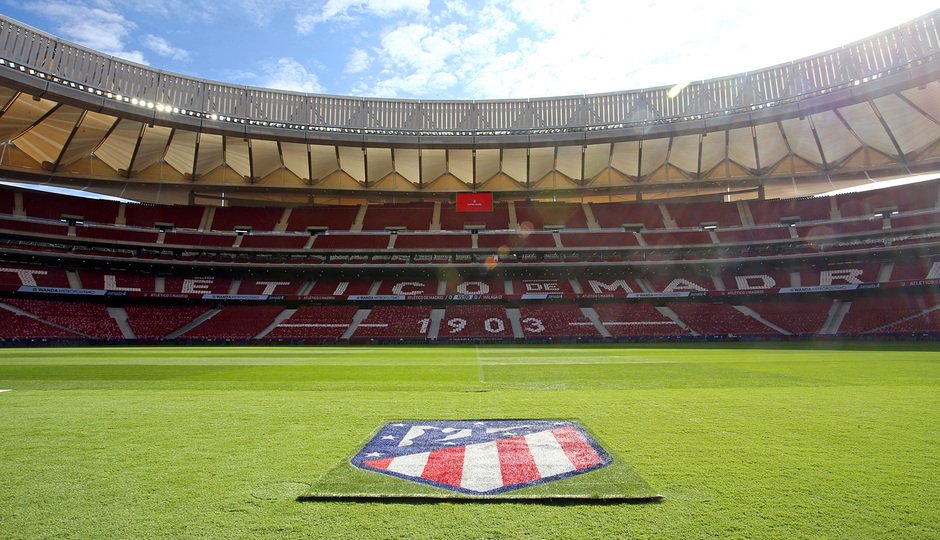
x,y
347,9
532,48
289,74
358,62
163,47
99,28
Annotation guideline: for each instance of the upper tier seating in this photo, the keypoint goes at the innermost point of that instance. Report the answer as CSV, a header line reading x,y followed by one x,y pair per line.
x,y
34,227
770,212
718,319
315,322
470,284
475,322
498,240
904,198
149,215
616,285
637,320
451,220
7,201
197,285
615,215
536,216
14,326
599,239
12,276
750,236
340,287
269,285
53,206
84,317
156,322
841,274
555,321
351,241
408,287
404,322
116,281
334,218
217,240
229,218
434,241
680,283
912,270
274,241
541,285
411,216
236,322
117,234
695,214
820,230
676,238
928,220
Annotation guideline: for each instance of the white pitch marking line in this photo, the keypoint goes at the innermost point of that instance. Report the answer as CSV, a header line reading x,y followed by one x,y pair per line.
x,y
6,390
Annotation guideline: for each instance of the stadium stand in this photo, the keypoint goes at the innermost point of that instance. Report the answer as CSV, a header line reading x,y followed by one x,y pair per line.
x,y
157,322
151,215
695,215
798,316
412,217
637,320
333,218
497,220
116,281
555,322
537,216
12,276
476,322
85,318
230,218
51,206
710,319
395,322
434,241
350,241
22,327
235,322
315,323
616,215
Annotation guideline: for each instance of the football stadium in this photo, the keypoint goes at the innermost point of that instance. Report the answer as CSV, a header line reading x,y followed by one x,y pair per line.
x,y
703,310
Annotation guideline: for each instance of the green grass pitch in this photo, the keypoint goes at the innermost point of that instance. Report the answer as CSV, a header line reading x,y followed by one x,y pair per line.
x,y
788,441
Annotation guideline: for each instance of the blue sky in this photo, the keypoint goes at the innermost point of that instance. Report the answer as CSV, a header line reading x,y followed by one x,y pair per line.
x,y
460,49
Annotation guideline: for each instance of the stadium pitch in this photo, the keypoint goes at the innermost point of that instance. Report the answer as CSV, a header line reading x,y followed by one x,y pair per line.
x,y
835,440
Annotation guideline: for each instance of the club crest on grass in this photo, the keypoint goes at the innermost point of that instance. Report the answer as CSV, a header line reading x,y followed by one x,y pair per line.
x,y
482,457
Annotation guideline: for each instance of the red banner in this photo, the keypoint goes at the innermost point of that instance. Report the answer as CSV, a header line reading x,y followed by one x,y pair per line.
x,y
474,202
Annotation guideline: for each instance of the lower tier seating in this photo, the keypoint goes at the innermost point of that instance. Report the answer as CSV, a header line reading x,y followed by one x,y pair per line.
x,y
17,326
475,322
315,322
86,318
555,321
637,320
719,320
236,322
404,322
156,322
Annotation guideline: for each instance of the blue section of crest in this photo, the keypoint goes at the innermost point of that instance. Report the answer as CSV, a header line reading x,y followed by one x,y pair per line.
x,y
403,438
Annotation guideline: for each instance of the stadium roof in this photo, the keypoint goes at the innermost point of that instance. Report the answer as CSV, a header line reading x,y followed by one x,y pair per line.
x,y
72,116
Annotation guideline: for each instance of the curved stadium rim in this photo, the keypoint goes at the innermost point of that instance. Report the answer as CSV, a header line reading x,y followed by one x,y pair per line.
x,y
41,63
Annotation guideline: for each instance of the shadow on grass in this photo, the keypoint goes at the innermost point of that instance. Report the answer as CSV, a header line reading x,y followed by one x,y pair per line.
x,y
544,501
